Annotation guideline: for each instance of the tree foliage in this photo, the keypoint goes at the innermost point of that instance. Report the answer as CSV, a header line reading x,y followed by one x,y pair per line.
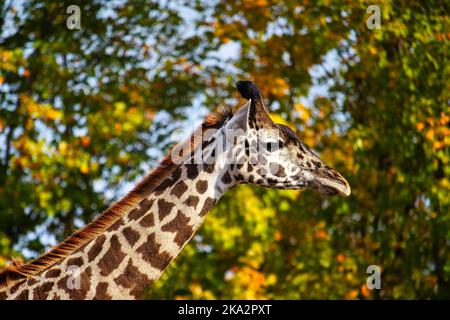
x,y
76,108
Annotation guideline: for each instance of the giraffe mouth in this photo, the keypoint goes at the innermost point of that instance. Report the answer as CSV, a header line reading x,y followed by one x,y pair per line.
x,y
331,183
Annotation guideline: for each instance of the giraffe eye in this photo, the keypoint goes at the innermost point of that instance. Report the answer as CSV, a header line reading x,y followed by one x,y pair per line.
x,y
272,145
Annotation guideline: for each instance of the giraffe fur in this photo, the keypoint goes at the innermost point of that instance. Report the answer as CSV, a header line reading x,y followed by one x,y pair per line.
x,y
129,246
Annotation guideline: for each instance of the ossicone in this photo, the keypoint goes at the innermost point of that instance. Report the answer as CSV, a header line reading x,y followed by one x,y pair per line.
x,y
248,90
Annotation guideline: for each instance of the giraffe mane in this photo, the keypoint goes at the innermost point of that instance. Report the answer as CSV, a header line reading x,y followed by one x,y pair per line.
x,y
18,270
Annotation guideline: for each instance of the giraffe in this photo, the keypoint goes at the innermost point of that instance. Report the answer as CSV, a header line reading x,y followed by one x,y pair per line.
x,y
129,245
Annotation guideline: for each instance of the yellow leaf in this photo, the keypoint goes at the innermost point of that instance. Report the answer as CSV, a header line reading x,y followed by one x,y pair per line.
x,y
53,114
321,234
365,291
438,145
352,294
63,147
6,55
420,126
84,168
85,141
277,235
430,134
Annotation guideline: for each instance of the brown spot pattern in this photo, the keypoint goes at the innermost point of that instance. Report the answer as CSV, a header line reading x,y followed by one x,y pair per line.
x,y
281,172
209,203
179,189
148,221
42,291
192,171
16,287
164,208
192,201
150,253
116,225
209,168
31,281
112,258
23,295
96,248
202,186
180,225
53,273
168,182
133,279
85,281
78,261
144,207
101,293
226,178
131,235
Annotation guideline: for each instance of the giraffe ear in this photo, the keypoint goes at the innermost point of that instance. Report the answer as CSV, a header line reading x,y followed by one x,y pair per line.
x,y
240,118
257,114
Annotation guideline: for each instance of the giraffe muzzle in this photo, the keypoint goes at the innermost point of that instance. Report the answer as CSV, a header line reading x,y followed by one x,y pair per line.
x,y
329,182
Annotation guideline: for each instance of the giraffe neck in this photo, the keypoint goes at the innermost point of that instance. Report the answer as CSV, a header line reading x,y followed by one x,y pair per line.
x,y
135,250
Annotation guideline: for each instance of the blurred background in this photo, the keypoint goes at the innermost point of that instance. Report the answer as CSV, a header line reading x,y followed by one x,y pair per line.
x,y
85,113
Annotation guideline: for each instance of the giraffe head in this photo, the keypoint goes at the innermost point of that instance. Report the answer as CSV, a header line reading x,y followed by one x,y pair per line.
x,y
272,155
